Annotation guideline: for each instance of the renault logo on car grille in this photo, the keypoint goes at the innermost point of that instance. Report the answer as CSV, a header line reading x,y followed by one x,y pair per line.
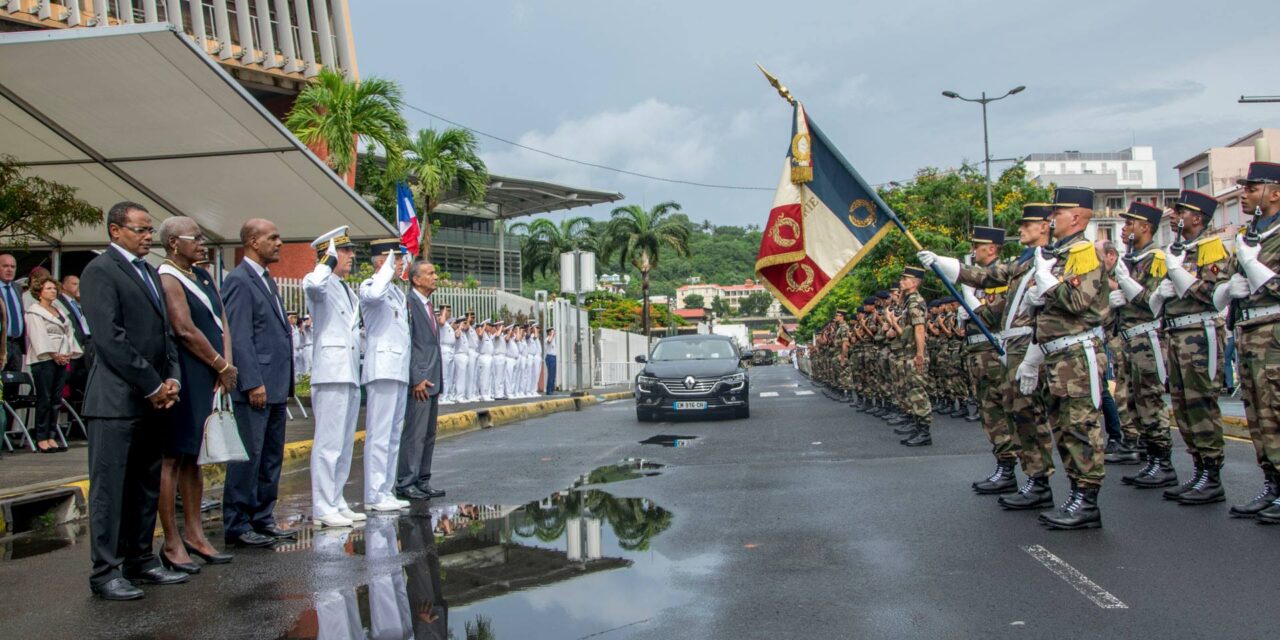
x,y
689,381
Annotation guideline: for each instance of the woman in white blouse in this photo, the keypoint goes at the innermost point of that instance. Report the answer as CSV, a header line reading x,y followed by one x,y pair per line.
x,y
51,346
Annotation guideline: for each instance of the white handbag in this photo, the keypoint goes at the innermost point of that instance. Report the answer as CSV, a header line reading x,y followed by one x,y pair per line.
x,y
221,437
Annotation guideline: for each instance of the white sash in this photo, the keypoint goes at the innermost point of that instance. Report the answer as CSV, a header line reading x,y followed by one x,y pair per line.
x,y
194,289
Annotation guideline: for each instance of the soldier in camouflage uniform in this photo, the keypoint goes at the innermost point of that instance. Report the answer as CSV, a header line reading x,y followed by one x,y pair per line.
x,y
1196,263
1253,292
1122,436
1145,370
956,378
910,327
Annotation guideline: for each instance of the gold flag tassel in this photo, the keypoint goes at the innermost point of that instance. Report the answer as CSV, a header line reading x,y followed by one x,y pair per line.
x,y
801,146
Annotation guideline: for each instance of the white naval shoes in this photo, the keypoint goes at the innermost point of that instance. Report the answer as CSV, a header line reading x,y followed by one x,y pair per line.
x,y
404,504
352,515
485,399
444,401
333,520
387,504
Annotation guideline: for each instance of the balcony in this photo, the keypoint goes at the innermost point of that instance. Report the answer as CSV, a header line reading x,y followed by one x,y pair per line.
x,y
478,239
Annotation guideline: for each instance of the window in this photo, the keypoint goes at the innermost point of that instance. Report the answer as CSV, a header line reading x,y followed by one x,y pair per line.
x,y
1115,202
1198,179
1169,202
1104,232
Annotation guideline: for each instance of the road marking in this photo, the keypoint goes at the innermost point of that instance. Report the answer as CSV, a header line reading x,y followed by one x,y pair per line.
x,y
1077,580
768,394
804,393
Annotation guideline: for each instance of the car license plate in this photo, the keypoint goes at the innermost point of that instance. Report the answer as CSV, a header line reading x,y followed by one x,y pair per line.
x,y
690,404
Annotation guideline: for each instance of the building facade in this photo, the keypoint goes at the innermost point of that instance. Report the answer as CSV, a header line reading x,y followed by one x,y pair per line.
x,y
1215,171
733,293
1132,168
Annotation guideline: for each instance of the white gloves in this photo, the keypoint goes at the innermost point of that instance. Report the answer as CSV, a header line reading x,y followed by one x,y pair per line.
x,y
1162,293
1032,297
1128,285
1179,277
1257,273
1121,270
950,267
1235,288
1166,289
961,316
332,251
1117,299
1029,370
970,296
1045,280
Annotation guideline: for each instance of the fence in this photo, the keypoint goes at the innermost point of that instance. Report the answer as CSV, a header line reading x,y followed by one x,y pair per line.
x,y
617,354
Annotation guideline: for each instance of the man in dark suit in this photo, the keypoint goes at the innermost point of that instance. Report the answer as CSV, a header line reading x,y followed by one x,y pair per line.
x,y
69,302
418,442
262,348
11,295
133,382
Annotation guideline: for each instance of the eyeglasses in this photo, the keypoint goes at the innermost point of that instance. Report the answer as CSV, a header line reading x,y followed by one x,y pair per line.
x,y
142,231
199,239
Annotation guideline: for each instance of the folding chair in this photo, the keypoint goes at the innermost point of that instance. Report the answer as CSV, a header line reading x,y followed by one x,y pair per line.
x,y
63,428
19,393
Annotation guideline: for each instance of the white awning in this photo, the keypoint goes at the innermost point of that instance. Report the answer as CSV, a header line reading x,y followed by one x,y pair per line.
x,y
138,113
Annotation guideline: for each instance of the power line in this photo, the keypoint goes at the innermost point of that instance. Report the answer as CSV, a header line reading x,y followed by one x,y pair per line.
x,y
585,163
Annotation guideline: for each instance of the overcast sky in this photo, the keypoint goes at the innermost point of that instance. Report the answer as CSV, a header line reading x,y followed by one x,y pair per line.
x,y
669,88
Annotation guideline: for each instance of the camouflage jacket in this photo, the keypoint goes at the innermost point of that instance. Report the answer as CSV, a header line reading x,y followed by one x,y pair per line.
x,y
1269,293
1079,300
1006,273
1148,270
991,282
914,313
1207,260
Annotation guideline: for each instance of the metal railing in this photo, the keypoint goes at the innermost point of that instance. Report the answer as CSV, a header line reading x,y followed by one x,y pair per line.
x,y
608,374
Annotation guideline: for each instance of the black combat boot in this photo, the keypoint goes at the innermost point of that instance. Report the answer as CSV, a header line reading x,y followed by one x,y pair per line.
x,y
920,438
1080,513
1161,475
877,408
957,408
899,418
1004,480
1270,493
1208,489
907,428
1176,492
1034,494
1118,452
1071,496
971,411
1152,462
1270,515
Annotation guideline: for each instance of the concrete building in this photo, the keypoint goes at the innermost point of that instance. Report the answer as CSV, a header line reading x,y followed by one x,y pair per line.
x,y
733,293
1109,203
1132,168
1215,171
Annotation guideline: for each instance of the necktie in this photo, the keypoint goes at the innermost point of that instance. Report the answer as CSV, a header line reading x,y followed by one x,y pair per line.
x,y
275,292
141,265
15,311
431,319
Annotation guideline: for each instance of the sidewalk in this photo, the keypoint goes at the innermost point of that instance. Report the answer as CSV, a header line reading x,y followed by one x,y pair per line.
x,y
23,472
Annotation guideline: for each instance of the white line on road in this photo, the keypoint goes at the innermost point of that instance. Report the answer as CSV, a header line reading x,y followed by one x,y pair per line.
x,y
804,393
768,394
1077,580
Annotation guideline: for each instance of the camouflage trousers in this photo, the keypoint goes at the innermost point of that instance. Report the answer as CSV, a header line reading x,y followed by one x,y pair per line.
x,y
915,399
1259,349
1026,417
1121,391
989,373
1076,422
1195,396
1143,407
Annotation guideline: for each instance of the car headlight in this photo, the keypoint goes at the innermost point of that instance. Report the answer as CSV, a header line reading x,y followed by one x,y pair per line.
x,y
644,382
735,379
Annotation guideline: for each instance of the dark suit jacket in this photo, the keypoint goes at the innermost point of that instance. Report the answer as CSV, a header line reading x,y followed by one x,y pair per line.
x,y
424,359
261,340
134,344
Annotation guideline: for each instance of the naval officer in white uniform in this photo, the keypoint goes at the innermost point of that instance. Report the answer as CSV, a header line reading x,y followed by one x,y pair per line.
x,y
484,361
385,374
335,376
447,341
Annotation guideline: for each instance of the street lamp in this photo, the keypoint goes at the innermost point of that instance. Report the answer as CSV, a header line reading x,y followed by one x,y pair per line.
x,y
986,147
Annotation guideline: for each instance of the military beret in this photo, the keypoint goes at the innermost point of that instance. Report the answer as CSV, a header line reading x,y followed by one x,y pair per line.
x,y
1036,212
1144,212
1072,197
1261,173
913,272
1201,203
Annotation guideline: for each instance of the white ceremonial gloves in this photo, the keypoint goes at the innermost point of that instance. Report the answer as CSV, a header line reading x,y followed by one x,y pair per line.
x,y
1124,278
961,316
1045,280
950,267
1029,370
1257,273
970,296
1117,299
1031,298
1179,277
1234,289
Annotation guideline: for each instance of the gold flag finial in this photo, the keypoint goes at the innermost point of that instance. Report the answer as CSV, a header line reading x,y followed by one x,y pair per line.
x,y
782,90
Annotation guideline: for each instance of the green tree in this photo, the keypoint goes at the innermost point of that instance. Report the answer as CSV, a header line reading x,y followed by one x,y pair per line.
x,y
333,115
721,308
755,304
32,208
694,301
444,163
637,237
543,241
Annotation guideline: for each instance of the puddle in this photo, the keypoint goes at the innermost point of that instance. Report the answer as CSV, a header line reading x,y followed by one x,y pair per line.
x,y
45,540
670,441
576,563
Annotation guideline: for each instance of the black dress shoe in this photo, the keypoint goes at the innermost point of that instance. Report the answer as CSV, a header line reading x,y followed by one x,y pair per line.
x,y
431,493
209,558
156,575
277,533
251,539
412,493
118,589
189,568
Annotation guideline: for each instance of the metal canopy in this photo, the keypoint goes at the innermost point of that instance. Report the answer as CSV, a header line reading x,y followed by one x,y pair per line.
x,y
138,113
514,197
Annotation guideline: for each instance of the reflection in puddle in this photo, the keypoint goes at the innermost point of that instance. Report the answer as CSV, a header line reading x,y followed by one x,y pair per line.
x,y
576,563
44,540
670,441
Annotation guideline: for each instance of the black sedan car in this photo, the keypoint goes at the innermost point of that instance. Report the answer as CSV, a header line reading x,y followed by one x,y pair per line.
x,y
692,375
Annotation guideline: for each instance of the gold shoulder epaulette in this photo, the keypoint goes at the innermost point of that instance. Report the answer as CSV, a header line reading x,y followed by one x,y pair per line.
x,y
1158,270
1082,258
1210,250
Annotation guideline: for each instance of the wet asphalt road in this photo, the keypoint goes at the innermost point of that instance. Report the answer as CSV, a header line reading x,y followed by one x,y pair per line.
x,y
807,520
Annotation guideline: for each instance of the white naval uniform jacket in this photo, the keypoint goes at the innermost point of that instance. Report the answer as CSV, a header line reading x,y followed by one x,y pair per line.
x,y
386,330
335,327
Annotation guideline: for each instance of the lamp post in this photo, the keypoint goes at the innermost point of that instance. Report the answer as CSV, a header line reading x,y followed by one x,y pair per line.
x,y
986,147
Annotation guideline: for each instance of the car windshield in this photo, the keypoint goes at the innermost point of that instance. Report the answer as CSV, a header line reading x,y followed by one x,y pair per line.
x,y
693,350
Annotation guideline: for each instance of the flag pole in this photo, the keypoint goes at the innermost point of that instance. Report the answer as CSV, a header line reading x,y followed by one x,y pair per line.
x,y
880,204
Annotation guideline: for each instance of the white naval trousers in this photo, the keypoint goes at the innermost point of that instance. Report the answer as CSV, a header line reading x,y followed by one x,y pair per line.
x,y
336,407
485,373
384,421
499,375
461,371
513,391
473,378
446,371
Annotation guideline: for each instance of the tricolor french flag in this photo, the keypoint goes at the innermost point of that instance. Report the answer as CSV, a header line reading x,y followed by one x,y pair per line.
x,y
407,220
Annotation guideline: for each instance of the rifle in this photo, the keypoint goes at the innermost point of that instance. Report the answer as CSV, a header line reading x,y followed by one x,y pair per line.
x,y
1179,245
1129,255
1251,238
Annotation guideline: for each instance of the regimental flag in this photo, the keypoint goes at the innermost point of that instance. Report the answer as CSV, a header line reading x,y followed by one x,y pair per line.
x,y
783,338
407,220
825,218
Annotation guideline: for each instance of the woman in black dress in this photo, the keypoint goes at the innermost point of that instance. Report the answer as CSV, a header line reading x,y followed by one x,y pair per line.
x,y
204,352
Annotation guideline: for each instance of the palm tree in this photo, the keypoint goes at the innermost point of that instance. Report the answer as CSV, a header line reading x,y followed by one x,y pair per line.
x,y
333,115
637,237
544,241
445,163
